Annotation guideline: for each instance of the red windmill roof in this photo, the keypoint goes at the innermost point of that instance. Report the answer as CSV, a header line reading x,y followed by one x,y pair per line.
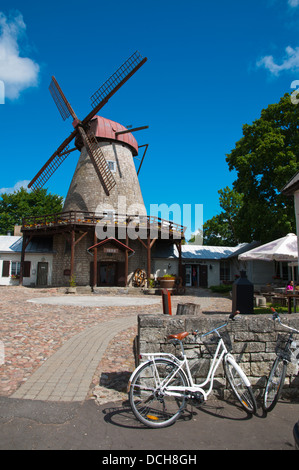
x,y
106,129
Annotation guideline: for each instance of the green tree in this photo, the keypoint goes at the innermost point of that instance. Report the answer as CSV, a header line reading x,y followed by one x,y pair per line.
x,y
222,229
265,159
23,203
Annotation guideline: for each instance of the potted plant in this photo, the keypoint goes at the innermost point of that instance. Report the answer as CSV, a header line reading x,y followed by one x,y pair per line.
x,y
72,285
167,281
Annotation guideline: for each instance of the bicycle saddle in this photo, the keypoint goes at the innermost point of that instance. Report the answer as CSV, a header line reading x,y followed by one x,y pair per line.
x,y
178,336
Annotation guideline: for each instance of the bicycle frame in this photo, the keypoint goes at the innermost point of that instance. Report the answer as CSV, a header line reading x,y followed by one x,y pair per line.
x,y
183,365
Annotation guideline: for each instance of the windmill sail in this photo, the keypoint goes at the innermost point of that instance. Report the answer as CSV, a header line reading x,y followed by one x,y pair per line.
x,y
99,162
61,102
101,96
49,168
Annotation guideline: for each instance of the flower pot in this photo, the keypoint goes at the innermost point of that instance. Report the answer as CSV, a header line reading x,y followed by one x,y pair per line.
x,y
71,290
167,282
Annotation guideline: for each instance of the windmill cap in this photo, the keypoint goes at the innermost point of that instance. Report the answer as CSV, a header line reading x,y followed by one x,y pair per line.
x,y
106,129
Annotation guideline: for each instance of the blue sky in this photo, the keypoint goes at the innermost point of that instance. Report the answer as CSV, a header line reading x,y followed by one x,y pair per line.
x,y
212,66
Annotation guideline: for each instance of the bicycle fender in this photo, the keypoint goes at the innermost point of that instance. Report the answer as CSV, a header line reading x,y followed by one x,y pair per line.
x,y
229,358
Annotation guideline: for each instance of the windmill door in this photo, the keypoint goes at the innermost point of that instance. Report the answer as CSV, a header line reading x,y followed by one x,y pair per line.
x,y
42,274
107,274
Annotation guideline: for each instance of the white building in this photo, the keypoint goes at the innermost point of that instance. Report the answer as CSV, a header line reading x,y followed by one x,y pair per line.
x,y
37,266
202,266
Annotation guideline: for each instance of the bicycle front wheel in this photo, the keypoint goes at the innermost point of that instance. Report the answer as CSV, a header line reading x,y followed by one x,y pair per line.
x,y
242,391
151,403
274,384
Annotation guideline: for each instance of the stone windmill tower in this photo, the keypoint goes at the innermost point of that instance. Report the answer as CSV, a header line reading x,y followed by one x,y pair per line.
x,y
119,147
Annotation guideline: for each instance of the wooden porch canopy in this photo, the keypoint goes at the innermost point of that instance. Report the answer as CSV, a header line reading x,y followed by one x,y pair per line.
x,y
121,245
77,222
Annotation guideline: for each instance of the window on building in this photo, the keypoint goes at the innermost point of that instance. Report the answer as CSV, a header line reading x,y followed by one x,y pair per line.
x,y
27,269
224,271
5,268
111,165
15,268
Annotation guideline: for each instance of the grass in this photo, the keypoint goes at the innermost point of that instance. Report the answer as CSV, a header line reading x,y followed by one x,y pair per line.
x,y
278,308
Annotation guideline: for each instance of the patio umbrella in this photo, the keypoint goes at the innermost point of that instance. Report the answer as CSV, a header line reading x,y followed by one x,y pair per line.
x,y
283,249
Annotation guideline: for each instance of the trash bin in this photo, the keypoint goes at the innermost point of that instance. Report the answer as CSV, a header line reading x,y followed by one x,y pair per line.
x,y
242,295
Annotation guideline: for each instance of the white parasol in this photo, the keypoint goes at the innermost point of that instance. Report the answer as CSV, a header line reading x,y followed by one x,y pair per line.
x,y
283,249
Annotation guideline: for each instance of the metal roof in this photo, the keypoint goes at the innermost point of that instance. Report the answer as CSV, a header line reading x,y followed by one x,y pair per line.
x,y
106,129
207,252
196,251
12,244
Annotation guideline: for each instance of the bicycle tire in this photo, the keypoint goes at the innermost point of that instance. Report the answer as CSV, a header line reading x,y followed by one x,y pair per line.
x,y
242,391
274,384
150,405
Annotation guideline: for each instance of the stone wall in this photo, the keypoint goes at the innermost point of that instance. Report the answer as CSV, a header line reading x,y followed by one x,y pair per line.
x,y
253,339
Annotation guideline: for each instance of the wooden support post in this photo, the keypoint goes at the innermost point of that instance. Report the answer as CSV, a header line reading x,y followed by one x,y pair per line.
x,y
95,262
179,247
126,261
148,246
148,259
73,242
25,243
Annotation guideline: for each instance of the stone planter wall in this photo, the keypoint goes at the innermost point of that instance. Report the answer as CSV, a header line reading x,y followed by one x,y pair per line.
x,y
253,339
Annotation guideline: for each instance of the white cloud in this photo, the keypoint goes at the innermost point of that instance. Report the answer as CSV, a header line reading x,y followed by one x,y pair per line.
x,y
293,3
16,187
18,73
290,62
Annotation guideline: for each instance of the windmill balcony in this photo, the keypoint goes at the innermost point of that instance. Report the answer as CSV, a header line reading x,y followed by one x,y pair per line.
x,y
56,222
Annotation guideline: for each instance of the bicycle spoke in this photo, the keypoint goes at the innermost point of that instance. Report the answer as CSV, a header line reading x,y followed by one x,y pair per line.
x,y
151,404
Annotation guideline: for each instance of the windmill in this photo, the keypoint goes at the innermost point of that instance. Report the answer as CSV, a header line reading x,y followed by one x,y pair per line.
x,y
82,129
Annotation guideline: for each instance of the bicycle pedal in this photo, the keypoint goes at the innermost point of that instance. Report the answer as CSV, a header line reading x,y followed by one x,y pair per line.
x,y
197,397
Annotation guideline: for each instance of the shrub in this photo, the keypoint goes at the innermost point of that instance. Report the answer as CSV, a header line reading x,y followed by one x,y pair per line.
x,y
222,288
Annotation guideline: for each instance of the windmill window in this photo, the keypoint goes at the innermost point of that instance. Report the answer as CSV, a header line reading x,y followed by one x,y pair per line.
x,y
111,165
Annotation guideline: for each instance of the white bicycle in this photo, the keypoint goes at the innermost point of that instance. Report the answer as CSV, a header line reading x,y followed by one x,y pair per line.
x,y
160,388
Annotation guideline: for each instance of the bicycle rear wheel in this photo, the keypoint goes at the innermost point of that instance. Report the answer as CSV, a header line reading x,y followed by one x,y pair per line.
x,y
150,403
274,384
242,391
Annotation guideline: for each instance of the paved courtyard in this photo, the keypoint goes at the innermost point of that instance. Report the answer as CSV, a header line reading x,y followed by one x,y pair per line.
x,y
38,323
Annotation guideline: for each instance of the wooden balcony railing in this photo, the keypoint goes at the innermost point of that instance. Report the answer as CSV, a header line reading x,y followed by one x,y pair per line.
x,y
92,219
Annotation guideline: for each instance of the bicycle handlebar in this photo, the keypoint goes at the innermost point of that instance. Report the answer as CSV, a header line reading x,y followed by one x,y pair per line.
x,y
232,315
276,316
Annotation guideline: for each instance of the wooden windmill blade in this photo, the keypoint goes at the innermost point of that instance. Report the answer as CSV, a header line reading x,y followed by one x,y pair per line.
x,y
99,162
114,83
60,100
52,164
90,142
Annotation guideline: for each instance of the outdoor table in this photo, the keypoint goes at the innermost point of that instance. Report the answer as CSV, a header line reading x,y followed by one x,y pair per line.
x,y
289,297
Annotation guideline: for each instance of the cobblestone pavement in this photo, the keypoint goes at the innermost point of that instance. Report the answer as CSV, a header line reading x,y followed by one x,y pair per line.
x,y
32,332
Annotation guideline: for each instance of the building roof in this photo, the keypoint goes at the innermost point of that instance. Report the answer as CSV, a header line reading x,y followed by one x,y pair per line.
x,y
13,244
198,251
106,129
207,252
291,186
116,242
